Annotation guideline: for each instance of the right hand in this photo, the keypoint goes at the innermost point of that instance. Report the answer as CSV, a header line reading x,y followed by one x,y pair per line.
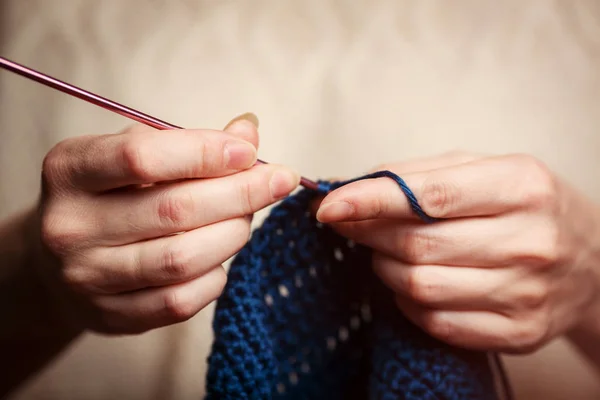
x,y
135,238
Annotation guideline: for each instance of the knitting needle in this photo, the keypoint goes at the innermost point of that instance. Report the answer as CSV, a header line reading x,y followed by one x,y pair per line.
x,y
104,103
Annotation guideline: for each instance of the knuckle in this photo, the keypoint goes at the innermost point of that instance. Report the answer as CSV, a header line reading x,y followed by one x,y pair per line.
x,y
551,249
533,297
545,257
178,306
539,186
176,263
544,251
530,336
438,326
439,198
206,155
175,209
381,206
239,232
422,288
246,201
136,159
58,236
55,166
75,278
415,244
80,276
53,162
220,280
209,160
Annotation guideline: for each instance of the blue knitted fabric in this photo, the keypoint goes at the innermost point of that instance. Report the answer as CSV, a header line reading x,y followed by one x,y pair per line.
x,y
303,317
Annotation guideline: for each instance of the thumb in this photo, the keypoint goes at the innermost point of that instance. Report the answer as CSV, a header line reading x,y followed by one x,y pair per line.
x,y
245,127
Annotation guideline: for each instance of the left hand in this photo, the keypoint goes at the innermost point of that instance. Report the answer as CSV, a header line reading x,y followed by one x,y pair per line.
x,y
512,264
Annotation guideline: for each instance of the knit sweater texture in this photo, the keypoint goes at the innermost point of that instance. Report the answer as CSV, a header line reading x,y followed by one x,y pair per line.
x,y
304,317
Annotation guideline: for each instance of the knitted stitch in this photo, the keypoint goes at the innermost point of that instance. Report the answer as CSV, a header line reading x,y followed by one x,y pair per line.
x,y
303,317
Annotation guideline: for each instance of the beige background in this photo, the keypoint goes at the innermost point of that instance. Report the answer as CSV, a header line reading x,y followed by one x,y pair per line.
x,y
339,86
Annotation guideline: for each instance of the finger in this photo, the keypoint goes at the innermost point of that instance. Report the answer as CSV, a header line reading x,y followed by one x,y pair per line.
x,y
414,165
130,216
245,127
113,161
237,127
475,242
147,309
160,262
448,288
476,330
484,187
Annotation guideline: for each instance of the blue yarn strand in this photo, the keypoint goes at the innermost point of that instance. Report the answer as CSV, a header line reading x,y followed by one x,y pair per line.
x,y
326,187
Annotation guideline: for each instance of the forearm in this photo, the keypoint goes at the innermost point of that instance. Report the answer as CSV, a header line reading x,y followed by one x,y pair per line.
x,y
31,332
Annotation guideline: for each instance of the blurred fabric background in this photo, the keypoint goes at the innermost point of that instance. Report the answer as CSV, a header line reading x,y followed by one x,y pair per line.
x,y
339,87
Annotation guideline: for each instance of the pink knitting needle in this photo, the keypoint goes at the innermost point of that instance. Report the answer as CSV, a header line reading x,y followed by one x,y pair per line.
x,y
104,102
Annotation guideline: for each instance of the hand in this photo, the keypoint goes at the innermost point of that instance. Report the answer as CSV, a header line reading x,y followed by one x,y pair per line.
x,y
512,264
135,237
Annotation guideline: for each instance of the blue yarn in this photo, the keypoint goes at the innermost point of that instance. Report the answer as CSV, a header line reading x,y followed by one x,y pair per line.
x,y
303,317
325,187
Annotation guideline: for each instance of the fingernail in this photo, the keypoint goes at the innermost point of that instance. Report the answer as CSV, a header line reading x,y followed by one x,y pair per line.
x,y
239,154
250,117
336,211
283,182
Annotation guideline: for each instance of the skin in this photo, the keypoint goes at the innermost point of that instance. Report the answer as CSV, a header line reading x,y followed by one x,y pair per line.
x,y
131,230
129,235
513,263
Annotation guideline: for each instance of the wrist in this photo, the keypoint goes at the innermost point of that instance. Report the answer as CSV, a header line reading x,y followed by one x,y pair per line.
x,y
33,331
27,300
